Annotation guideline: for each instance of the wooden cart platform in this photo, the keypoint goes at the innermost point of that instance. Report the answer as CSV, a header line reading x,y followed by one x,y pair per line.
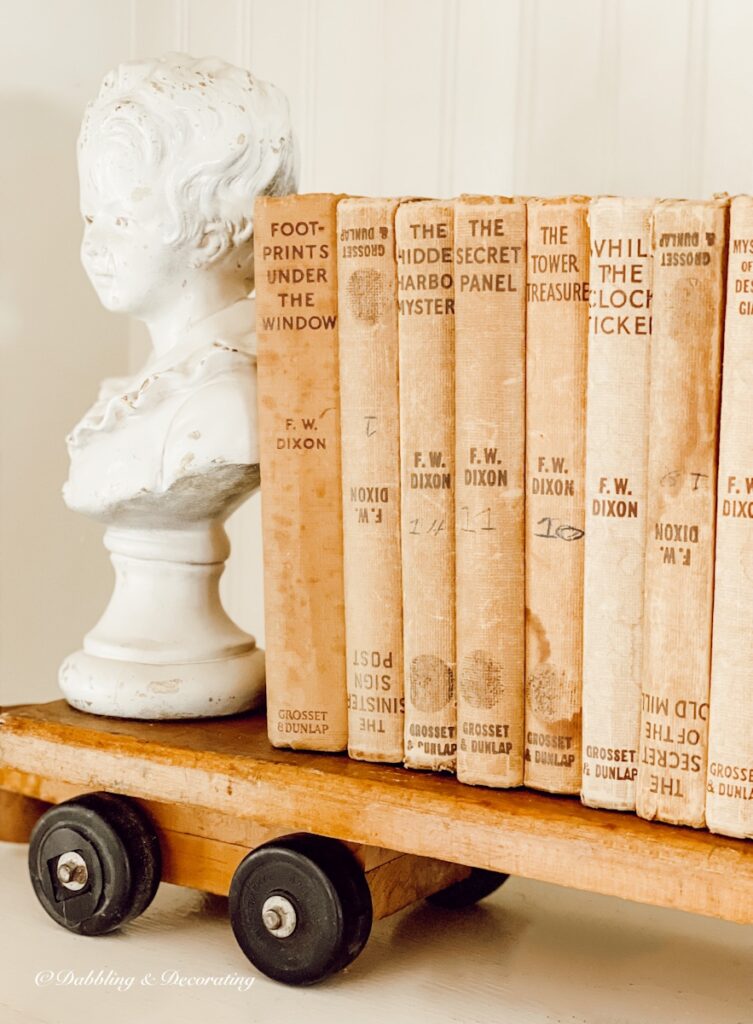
x,y
218,788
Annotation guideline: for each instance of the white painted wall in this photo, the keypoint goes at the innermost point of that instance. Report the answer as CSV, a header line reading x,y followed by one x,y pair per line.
x,y
389,96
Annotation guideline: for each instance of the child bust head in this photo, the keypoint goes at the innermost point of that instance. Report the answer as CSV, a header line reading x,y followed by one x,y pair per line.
x,y
172,154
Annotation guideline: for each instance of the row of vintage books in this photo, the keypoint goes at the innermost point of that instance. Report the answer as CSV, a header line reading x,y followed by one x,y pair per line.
x,y
507,491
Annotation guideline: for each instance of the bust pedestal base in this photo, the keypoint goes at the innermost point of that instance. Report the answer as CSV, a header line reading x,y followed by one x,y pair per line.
x,y
123,689
165,647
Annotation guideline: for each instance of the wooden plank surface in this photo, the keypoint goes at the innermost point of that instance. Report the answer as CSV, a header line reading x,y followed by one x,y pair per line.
x,y
18,815
229,767
25,796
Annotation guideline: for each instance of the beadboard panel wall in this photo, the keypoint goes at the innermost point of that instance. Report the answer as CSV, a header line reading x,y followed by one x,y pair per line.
x,y
428,97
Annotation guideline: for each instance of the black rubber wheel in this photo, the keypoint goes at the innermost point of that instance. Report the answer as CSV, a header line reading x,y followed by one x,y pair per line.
x,y
94,862
300,908
470,890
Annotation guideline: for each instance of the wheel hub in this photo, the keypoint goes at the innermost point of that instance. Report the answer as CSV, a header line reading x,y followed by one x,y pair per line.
x,y
279,917
72,871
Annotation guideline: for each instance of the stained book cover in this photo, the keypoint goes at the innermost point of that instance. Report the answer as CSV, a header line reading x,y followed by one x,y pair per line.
x,y
370,413
689,243
299,427
426,325
729,789
490,316
556,344
616,464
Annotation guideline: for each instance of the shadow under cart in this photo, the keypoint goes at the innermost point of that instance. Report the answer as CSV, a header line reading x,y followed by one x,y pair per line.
x,y
310,848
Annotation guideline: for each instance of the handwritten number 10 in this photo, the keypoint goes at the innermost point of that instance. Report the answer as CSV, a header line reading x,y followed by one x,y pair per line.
x,y
558,532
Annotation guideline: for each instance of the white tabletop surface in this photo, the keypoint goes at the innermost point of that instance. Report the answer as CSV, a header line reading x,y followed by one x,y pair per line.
x,y
530,954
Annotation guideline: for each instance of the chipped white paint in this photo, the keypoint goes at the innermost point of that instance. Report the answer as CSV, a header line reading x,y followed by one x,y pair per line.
x,y
171,155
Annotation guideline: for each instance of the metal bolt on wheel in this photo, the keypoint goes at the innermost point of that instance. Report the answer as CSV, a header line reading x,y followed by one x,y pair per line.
x,y
72,872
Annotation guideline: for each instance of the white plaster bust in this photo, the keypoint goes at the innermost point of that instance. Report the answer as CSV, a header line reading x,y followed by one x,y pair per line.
x,y
172,154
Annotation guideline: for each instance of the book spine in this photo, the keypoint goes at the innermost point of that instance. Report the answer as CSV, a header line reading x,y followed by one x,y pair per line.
x,y
490,318
729,790
616,464
299,433
423,233
689,249
556,344
369,409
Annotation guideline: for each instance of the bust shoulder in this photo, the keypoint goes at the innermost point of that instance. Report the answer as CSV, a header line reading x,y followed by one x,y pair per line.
x,y
215,424
192,414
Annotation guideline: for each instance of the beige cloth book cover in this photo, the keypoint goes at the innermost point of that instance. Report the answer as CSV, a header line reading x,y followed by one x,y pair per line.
x,y
556,344
426,320
616,463
729,791
370,414
689,242
299,436
490,317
